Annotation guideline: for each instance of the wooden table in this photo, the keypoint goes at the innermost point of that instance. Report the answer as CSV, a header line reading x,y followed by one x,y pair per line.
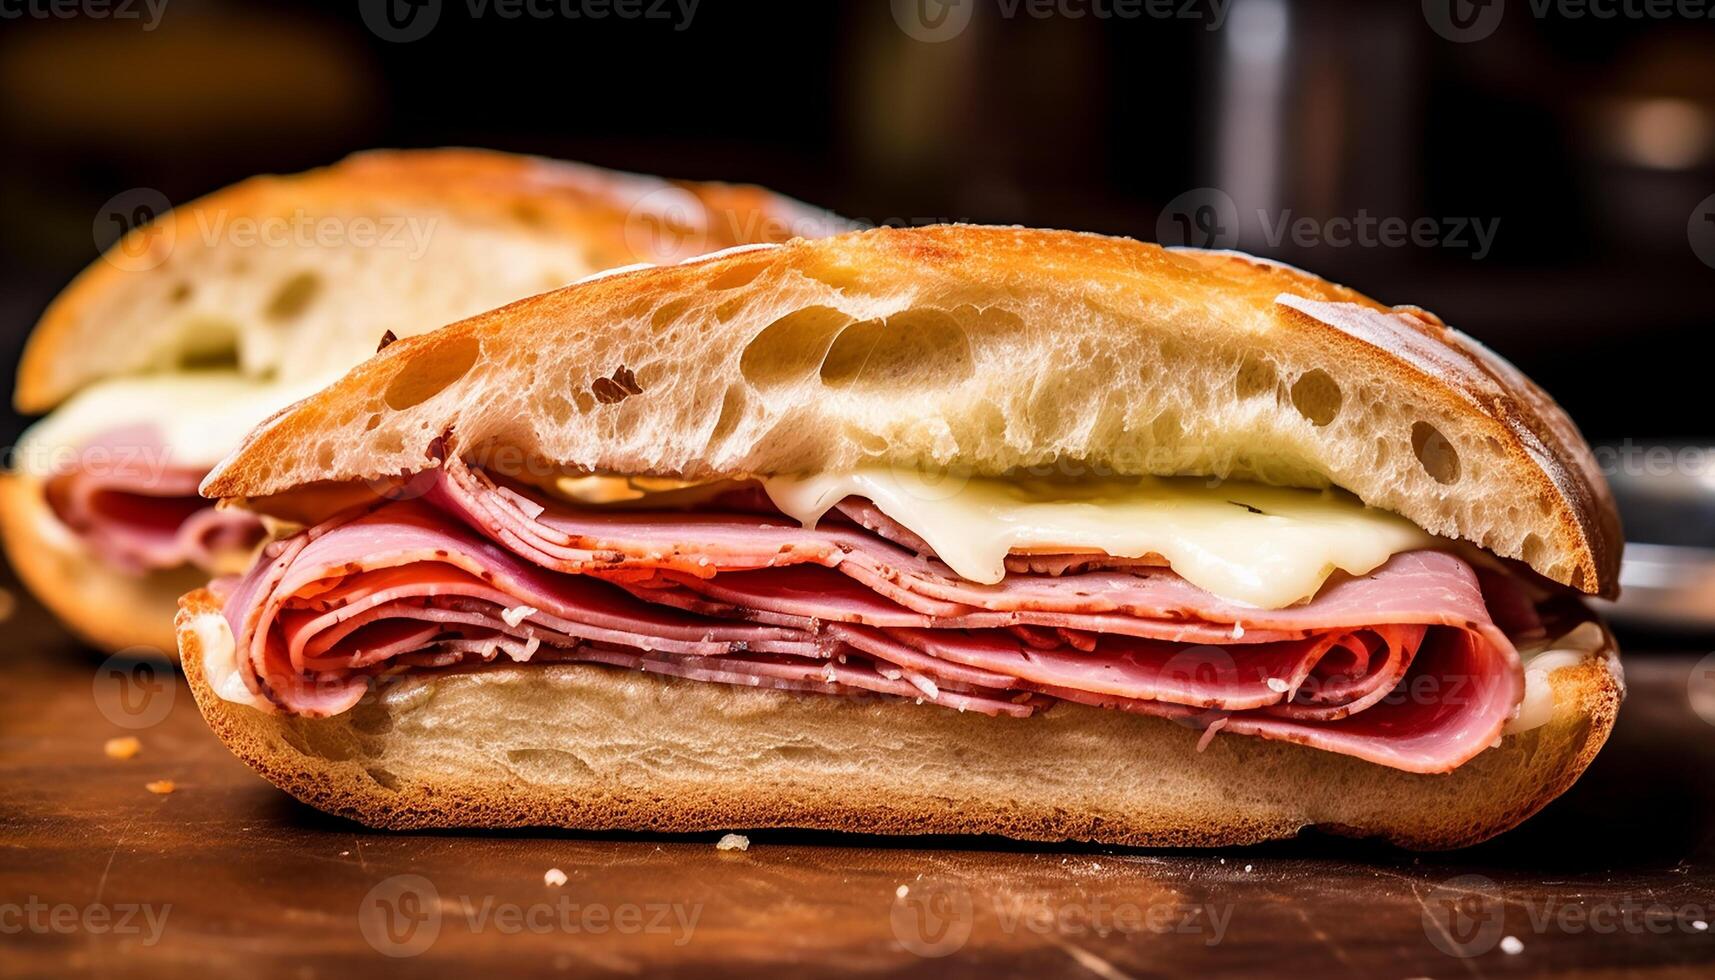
x,y
100,876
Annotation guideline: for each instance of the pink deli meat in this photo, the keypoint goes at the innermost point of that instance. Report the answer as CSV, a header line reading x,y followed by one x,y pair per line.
x,y
1403,667
139,512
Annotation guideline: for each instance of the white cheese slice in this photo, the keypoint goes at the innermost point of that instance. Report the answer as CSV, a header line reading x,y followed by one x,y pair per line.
x,y
1264,546
200,416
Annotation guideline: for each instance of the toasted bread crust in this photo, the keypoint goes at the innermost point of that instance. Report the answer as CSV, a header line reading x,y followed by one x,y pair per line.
x,y
595,207
1064,345
593,748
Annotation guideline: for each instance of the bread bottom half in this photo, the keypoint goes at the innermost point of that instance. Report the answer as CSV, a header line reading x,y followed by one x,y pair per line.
x,y
104,606
597,748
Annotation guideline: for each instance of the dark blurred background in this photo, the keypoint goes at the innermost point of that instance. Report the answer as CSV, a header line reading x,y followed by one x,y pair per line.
x,y
1548,168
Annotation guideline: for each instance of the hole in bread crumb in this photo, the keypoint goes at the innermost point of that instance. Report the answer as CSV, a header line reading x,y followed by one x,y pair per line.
x,y
1256,377
791,347
1164,429
429,370
293,297
1316,396
739,275
836,277
383,778
732,307
911,350
732,410
1533,550
527,213
207,344
1438,457
557,409
668,312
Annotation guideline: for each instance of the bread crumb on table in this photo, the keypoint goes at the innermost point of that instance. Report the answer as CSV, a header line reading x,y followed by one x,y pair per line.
x,y
160,787
123,747
554,877
733,842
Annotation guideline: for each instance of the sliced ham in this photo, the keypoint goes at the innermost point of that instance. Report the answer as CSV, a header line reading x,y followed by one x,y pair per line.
x,y
137,512
1403,667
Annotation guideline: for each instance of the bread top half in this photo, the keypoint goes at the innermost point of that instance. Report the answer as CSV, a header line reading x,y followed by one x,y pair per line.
x,y
988,349
294,277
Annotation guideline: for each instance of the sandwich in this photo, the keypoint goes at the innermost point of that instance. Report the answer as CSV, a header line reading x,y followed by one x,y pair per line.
x,y
157,359
948,530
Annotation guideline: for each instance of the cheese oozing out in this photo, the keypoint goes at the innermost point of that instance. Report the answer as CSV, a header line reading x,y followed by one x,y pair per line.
x,y
1265,546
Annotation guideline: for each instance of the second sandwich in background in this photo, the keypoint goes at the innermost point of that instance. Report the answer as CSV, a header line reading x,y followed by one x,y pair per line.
x,y
154,363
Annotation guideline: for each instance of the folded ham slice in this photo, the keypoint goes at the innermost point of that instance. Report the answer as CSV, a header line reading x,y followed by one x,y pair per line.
x,y
1403,667
124,498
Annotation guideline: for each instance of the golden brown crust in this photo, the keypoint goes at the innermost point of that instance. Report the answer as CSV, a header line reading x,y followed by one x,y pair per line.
x,y
594,748
618,218
1113,318
106,608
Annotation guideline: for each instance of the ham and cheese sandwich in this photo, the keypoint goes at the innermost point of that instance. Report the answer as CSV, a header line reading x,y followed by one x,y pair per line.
x,y
943,530
154,363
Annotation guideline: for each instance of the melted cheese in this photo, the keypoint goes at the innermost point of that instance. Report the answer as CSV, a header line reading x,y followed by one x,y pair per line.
x,y
199,416
1264,546
1537,707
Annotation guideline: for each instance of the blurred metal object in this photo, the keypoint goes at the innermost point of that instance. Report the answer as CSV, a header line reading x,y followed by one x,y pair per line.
x,y
1666,495
1666,586
1317,115
1254,68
